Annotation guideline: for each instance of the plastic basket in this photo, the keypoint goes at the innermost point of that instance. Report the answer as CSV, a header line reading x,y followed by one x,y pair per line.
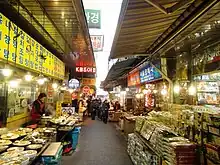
x,y
75,137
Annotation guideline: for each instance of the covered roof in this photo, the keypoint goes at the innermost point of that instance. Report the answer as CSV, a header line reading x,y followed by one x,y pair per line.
x,y
59,21
146,26
120,69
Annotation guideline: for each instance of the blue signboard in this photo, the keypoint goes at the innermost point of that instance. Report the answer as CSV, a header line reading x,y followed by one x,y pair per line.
x,y
149,73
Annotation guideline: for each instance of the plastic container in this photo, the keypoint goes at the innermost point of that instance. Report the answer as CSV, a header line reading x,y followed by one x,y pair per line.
x,y
75,137
53,160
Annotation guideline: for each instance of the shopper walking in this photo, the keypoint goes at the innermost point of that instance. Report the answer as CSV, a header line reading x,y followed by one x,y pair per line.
x,y
94,109
105,109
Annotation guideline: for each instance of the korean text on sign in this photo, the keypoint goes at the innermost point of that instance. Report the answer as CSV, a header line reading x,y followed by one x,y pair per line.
x,y
93,18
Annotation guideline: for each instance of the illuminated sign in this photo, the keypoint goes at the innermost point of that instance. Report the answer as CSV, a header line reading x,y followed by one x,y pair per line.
x,y
86,89
74,83
18,48
134,79
85,69
149,73
88,81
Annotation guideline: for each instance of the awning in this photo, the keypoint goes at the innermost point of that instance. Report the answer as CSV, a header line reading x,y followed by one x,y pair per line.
x,y
120,69
60,22
146,26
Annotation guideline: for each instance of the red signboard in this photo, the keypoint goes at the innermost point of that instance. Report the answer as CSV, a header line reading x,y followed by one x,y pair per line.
x,y
85,69
134,79
86,89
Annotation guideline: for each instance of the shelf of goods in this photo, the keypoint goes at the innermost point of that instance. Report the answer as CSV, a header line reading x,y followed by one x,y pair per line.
x,y
167,146
200,125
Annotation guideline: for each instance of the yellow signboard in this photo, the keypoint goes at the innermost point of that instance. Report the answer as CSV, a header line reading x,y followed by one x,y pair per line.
x,y
88,81
58,108
19,48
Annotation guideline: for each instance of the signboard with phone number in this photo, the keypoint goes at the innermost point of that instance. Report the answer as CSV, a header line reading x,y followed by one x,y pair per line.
x,y
18,47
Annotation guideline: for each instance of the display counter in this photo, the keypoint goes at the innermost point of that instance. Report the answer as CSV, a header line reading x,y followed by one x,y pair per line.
x,y
114,116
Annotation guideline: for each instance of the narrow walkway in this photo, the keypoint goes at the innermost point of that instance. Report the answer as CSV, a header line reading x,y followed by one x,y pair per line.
x,y
99,144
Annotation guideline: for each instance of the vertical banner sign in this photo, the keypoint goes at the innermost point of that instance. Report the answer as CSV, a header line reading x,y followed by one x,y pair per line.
x,y
93,18
97,42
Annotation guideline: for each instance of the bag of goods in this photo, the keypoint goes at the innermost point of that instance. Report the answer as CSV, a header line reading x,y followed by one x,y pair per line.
x,y
139,123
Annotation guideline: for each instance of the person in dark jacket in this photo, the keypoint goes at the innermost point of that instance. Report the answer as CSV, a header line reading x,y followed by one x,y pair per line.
x,y
38,108
75,104
105,109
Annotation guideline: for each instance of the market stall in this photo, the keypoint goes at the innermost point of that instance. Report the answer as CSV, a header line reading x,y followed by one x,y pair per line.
x,y
180,131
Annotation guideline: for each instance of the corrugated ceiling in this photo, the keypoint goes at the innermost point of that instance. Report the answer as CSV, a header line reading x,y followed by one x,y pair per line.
x,y
143,28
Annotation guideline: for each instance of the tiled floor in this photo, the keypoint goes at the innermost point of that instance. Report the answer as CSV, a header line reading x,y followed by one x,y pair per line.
x,y
99,144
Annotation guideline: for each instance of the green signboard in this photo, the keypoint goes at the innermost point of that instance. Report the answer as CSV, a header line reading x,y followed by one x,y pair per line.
x,y
93,18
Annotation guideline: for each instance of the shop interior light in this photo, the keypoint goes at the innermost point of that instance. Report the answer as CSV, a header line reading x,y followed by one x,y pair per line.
x,y
28,77
164,92
155,91
176,89
6,72
192,90
145,91
55,85
40,81
127,89
137,96
71,90
14,83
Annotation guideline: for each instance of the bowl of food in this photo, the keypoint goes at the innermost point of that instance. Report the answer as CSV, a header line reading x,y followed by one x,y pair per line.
x,y
34,147
16,149
29,153
5,142
10,136
3,148
9,155
21,143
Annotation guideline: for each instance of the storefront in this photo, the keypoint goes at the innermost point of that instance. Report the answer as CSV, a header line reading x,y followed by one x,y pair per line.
x,y
27,68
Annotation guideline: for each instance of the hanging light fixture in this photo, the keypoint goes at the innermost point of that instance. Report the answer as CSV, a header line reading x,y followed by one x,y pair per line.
x,y
41,80
176,89
14,83
28,77
7,72
55,85
192,90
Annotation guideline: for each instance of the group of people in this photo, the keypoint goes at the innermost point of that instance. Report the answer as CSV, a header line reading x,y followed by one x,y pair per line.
x,y
98,108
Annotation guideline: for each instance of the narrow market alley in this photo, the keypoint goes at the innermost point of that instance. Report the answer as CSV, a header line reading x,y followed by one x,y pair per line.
x,y
99,144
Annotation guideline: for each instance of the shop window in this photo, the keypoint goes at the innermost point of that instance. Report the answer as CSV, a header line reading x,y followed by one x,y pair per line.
x,y
19,99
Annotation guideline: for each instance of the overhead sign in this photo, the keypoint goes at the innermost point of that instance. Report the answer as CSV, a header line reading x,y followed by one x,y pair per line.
x,y
134,78
149,73
93,18
82,69
19,48
88,81
97,42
